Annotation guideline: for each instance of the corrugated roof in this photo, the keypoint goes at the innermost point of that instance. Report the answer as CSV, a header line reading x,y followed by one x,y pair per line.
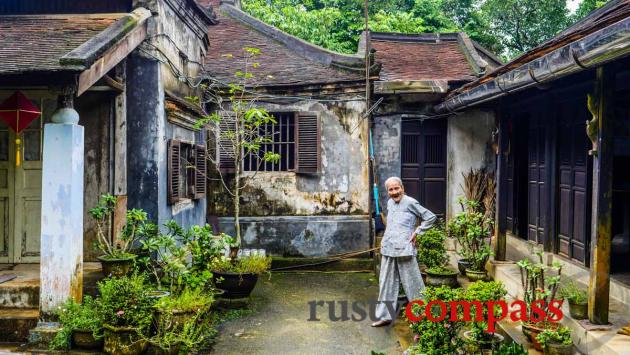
x,y
34,43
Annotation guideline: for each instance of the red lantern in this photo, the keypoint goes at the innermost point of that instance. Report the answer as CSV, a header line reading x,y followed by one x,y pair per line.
x,y
18,112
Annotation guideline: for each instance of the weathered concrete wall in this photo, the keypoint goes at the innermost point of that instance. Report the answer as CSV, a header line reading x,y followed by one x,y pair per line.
x,y
468,147
302,235
342,189
387,139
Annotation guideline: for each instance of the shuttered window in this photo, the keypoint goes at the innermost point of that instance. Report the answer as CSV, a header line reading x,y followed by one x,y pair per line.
x,y
186,171
308,154
295,137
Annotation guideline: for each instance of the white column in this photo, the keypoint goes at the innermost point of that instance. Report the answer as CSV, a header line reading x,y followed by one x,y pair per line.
x,y
62,212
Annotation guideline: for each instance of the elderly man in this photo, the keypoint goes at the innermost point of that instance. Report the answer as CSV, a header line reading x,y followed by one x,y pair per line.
x,y
398,250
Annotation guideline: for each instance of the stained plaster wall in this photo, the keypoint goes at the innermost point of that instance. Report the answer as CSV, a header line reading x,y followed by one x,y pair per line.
x,y
329,210
175,34
386,136
469,137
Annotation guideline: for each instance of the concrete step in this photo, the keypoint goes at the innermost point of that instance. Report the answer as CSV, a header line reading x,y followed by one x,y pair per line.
x,y
15,323
587,341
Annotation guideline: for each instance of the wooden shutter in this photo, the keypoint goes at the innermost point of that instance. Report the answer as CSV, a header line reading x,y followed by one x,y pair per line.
x,y
201,182
174,153
224,145
308,143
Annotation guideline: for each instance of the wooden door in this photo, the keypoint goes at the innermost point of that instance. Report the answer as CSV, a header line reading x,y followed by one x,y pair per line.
x,y
574,177
536,188
6,195
423,162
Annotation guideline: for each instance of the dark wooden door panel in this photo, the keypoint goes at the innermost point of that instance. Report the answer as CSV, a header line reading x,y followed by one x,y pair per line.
x,y
536,179
423,162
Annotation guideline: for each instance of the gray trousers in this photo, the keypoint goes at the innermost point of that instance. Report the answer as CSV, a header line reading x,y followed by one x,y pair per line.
x,y
393,271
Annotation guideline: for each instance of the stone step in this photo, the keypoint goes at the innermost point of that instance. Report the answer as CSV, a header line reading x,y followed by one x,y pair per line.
x,y
15,323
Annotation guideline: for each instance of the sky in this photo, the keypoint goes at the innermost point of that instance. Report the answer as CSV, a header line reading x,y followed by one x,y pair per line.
x,y
573,4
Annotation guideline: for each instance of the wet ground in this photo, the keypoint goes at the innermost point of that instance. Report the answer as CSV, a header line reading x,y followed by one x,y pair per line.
x,y
279,323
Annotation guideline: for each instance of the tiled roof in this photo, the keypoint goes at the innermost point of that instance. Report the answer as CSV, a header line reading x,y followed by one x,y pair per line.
x,y
37,42
422,57
284,59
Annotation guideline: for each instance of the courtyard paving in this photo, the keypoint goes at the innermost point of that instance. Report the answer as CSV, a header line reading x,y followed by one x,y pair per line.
x,y
279,323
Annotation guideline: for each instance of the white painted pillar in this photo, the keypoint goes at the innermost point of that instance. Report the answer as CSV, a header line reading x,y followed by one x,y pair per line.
x,y
62,211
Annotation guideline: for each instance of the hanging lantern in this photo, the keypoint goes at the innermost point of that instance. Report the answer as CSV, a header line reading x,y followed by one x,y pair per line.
x,y
18,112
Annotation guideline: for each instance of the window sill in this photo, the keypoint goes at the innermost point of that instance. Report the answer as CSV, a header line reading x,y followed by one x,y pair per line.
x,y
182,205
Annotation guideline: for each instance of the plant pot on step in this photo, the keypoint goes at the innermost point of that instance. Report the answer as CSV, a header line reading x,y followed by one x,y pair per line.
x,y
123,341
116,267
558,349
178,317
531,331
475,275
474,346
462,265
445,278
156,349
578,310
84,339
235,285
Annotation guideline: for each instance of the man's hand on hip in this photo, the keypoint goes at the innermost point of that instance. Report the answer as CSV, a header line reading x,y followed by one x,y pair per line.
x,y
413,238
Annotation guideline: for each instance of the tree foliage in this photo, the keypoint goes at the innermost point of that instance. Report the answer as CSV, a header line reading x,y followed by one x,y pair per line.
x,y
507,27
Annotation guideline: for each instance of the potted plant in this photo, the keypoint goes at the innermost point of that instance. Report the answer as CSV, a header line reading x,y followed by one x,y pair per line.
x,y
82,326
577,298
172,338
477,338
539,285
238,279
433,259
127,312
556,341
471,229
118,258
183,307
440,337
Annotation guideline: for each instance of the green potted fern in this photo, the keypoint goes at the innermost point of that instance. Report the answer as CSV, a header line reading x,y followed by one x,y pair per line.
x,y
577,298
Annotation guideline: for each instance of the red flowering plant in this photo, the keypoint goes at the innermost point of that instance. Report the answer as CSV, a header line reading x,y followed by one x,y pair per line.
x,y
540,287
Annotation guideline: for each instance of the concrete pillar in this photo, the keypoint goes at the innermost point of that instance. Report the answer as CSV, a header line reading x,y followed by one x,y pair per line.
x,y
62,212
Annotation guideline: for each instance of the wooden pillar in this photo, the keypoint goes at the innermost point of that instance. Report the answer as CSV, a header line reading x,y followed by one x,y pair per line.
x,y
601,224
551,169
500,246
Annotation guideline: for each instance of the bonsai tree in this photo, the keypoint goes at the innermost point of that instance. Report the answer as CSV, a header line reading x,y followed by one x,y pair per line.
x,y
484,292
432,252
471,229
539,285
136,227
239,127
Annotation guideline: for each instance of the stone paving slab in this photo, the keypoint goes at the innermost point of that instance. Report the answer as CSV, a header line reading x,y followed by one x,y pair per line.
x,y
279,323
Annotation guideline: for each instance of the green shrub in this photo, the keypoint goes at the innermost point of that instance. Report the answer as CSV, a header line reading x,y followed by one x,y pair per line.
x,y
471,229
441,270
484,292
256,264
125,302
560,335
188,300
573,293
431,248
436,338
77,316
510,349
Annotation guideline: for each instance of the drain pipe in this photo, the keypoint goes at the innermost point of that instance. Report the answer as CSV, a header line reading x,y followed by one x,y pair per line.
x,y
596,49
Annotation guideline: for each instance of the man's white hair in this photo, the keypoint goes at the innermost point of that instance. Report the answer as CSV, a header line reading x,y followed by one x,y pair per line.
x,y
394,179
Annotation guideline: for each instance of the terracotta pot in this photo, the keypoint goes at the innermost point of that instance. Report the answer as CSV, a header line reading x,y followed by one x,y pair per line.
x,y
578,311
474,275
558,349
116,267
123,341
235,285
84,339
531,331
462,265
437,280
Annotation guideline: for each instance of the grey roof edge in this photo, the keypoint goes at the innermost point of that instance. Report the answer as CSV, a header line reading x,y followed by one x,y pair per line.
x,y
207,14
478,46
478,64
308,50
87,53
414,37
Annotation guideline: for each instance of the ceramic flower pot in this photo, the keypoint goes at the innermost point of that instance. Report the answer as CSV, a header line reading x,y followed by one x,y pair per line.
x,y
84,339
474,346
123,341
578,311
558,349
235,285
116,267
437,280
474,275
531,331
178,317
462,265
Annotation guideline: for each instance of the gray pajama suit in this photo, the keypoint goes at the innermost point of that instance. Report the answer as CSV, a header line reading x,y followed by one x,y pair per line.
x,y
398,262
